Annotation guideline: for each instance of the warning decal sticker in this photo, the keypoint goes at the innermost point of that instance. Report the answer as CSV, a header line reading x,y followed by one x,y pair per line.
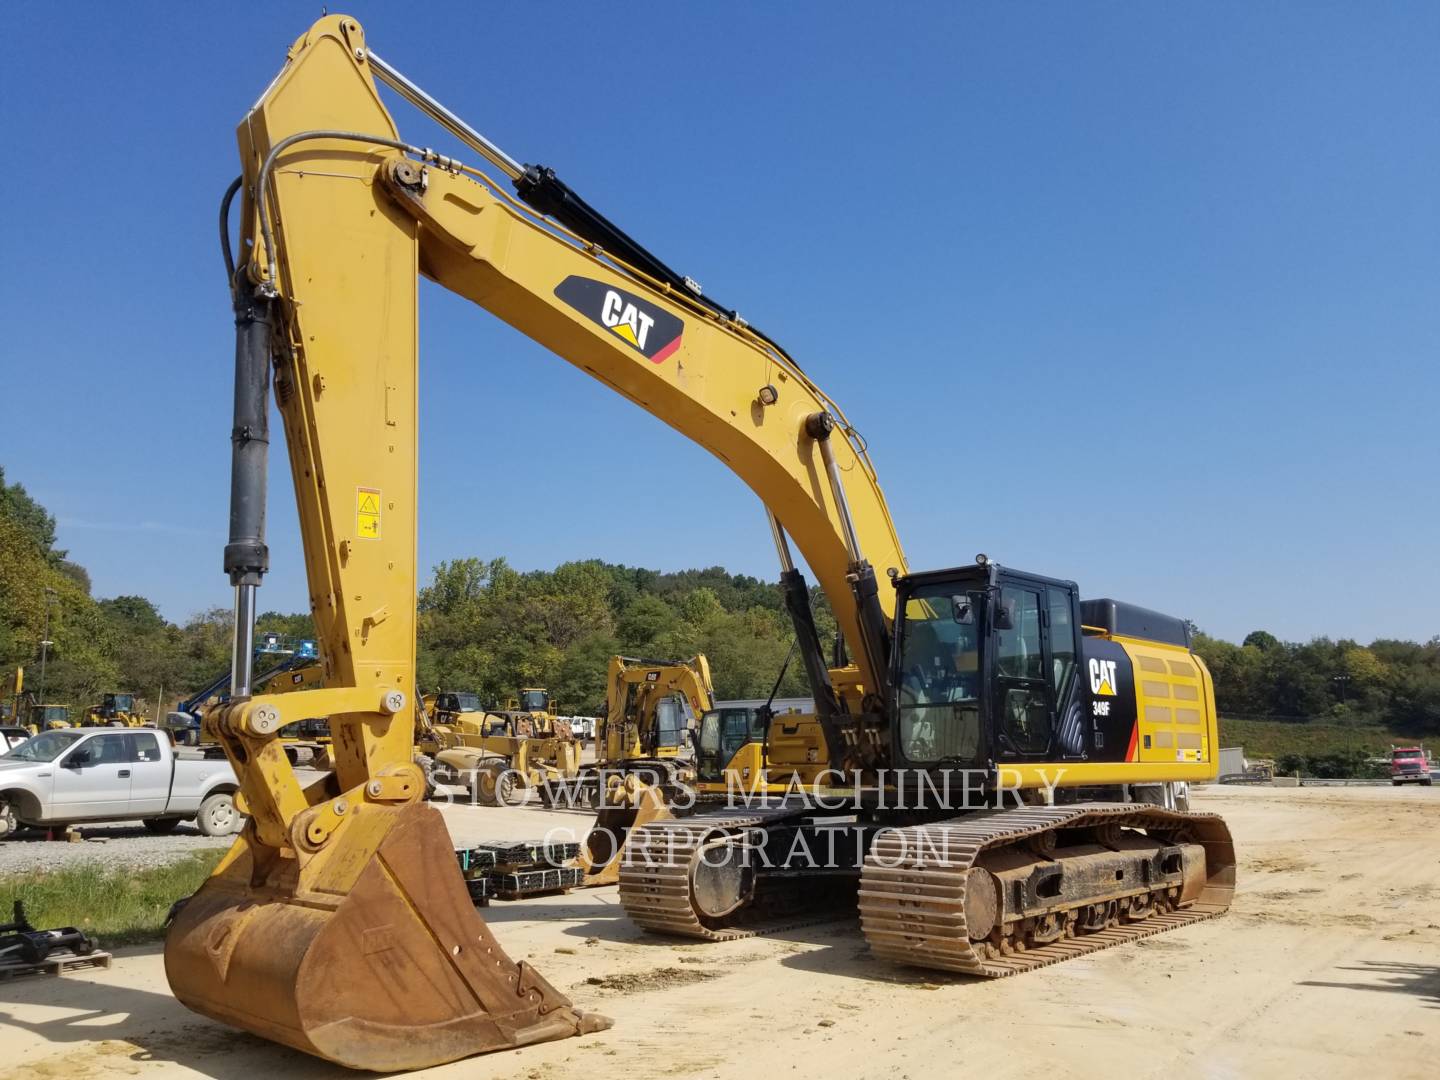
x,y
367,513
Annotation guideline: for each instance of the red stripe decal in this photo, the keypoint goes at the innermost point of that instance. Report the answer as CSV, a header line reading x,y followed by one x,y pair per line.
x,y
664,354
1134,738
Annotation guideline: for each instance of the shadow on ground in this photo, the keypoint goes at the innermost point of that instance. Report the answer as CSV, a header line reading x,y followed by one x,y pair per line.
x,y
1393,976
120,1027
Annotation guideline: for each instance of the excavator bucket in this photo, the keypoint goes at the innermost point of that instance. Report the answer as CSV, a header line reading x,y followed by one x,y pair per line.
x,y
625,805
370,954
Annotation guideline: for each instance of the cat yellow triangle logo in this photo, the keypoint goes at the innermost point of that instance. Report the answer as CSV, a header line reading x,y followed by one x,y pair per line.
x,y
367,513
1102,677
627,333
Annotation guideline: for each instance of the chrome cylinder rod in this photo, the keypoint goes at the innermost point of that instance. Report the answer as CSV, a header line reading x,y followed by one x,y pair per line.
x,y
782,546
242,659
819,426
445,118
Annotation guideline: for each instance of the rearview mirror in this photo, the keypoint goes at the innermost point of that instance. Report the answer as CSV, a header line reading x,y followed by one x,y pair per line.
x,y
1005,614
79,759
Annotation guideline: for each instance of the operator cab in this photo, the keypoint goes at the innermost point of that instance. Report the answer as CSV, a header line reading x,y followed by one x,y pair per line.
x,y
533,701
983,668
114,704
723,732
49,717
672,722
457,703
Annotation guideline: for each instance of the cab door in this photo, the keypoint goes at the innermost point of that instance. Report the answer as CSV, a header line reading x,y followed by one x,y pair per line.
x,y
149,773
1023,702
93,779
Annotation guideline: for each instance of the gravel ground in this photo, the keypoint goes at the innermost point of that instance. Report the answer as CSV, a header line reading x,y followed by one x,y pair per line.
x,y
120,844
1327,966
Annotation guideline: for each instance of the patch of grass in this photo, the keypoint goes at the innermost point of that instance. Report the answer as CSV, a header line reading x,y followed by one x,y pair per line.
x,y
118,906
1275,739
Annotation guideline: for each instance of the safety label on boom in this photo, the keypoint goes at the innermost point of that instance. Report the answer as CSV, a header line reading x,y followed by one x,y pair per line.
x,y
367,513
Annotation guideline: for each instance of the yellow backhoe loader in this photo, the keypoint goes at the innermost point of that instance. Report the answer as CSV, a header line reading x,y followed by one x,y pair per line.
x,y
27,712
972,759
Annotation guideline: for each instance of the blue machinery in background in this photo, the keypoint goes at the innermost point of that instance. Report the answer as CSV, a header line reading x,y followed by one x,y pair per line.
x,y
184,721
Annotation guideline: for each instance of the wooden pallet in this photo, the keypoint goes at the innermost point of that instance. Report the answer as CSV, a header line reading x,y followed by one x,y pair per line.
x,y
56,965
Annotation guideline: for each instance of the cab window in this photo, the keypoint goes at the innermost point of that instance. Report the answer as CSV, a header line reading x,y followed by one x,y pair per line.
x,y
144,747
1017,648
669,723
939,677
1062,640
1023,693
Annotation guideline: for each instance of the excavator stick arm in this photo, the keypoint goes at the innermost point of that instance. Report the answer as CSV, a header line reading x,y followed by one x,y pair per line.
x,y
339,923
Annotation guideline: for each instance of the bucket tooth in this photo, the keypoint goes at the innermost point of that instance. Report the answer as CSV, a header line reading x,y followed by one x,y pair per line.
x,y
371,955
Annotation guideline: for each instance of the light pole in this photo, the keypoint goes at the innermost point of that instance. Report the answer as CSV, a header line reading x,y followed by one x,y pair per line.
x,y
1344,681
45,642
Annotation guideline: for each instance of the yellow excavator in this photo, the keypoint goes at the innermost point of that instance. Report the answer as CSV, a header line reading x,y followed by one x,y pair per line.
x,y
642,772
973,758
650,708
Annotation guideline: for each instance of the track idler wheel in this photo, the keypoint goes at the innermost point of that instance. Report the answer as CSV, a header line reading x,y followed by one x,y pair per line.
x,y
370,955
721,878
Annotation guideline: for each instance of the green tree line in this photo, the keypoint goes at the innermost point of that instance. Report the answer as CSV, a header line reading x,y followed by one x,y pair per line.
x,y
486,627
1390,683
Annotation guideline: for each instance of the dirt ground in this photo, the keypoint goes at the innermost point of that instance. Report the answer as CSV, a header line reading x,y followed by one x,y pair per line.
x,y
1327,965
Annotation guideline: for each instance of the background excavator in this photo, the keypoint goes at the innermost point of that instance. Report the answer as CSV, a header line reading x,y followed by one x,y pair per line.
x,y
977,748
651,709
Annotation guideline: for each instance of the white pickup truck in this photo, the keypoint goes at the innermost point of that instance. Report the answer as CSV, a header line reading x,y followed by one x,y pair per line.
x,y
101,774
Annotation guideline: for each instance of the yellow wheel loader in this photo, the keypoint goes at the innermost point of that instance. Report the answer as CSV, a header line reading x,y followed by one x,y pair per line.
x,y
498,755
115,710
966,779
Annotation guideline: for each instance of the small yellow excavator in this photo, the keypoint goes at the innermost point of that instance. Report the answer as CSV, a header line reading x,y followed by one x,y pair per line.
x,y
651,709
643,771
977,758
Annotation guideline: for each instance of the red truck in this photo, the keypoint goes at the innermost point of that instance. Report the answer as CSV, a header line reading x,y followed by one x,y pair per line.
x,y
1409,763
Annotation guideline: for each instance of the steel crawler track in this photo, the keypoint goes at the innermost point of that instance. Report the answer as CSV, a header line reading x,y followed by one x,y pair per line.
x,y
655,877
912,900
913,884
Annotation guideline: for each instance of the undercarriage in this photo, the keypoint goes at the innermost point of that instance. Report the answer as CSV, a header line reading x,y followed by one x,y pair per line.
x,y
988,893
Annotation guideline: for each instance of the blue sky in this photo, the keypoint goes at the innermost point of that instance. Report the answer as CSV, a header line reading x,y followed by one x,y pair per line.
x,y
1143,295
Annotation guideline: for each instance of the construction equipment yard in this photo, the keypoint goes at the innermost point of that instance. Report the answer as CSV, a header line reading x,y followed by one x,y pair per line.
x,y
561,750
1328,964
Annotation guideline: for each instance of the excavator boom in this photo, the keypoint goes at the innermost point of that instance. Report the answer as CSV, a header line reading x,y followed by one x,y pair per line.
x,y
339,218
